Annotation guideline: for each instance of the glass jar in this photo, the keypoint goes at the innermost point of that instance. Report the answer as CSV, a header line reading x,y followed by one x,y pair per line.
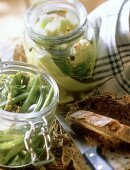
x,y
24,137
66,51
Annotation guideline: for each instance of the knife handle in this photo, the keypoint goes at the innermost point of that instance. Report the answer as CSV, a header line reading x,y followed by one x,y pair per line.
x,y
96,161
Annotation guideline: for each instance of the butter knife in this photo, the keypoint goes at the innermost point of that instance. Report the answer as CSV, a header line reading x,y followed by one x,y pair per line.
x,y
90,154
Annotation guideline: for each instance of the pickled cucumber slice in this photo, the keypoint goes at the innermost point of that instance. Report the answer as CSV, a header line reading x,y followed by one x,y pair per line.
x,y
55,24
63,80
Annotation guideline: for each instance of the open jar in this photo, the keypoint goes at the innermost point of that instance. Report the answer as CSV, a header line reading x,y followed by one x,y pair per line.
x,y
25,136
59,39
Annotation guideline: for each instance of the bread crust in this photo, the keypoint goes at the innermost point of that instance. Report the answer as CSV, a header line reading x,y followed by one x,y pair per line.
x,y
103,125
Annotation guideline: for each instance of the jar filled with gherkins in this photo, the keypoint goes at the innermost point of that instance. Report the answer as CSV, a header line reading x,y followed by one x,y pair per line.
x,y
28,100
59,39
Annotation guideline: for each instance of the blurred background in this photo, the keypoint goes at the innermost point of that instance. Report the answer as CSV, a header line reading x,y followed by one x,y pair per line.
x,y
12,15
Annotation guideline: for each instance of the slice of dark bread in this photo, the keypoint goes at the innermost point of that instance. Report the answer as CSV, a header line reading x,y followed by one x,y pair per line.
x,y
103,125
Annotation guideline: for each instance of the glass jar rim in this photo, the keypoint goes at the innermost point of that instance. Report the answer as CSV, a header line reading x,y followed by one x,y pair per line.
x,y
80,9
25,117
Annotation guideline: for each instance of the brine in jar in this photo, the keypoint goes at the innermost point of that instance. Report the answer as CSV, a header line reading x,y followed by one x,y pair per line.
x,y
59,39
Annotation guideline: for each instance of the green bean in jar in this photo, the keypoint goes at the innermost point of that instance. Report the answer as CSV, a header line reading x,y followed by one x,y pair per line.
x,y
28,101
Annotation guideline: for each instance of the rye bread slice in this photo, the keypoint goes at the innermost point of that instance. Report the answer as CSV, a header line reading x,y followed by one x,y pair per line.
x,y
106,105
103,125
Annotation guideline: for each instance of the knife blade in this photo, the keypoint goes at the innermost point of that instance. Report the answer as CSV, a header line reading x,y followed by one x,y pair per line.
x,y
90,154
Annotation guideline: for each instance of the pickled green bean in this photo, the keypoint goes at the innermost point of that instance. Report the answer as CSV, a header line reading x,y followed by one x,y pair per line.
x,y
26,159
48,98
13,152
15,99
41,99
12,143
5,136
32,94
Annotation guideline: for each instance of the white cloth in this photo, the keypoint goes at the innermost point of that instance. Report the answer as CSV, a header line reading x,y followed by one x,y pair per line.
x,y
112,27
